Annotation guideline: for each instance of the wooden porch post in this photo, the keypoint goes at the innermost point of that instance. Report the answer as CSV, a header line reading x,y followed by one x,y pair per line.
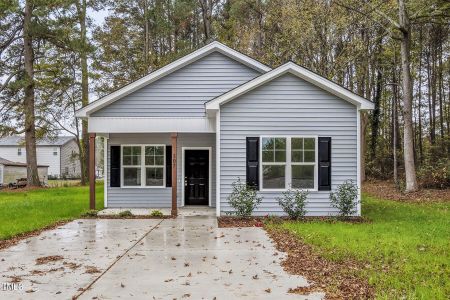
x,y
92,171
174,174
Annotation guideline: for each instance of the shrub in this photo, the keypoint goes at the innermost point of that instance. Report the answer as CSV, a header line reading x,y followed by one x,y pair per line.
x,y
156,213
293,203
91,213
125,213
243,199
345,198
435,174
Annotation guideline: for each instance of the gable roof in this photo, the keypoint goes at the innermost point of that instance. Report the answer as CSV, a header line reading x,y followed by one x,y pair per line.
x,y
6,162
292,68
17,140
168,69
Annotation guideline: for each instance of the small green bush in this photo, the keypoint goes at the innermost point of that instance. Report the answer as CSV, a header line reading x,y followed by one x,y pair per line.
x,y
91,213
293,203
243,199
125,213
156,213
345,198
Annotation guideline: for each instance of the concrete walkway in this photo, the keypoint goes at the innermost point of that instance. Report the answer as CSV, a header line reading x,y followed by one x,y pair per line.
x,y
183,258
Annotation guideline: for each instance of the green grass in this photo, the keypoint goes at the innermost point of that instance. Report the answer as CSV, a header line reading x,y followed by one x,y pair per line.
x,y
406,246
30,210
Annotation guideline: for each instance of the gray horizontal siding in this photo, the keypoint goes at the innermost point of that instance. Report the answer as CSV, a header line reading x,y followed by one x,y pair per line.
x,y
158,197
287,106
184,92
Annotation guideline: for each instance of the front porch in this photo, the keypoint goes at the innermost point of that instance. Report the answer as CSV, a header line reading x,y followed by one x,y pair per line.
x,y
163,171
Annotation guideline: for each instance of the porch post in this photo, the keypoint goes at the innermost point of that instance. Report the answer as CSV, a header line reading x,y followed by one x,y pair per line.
x,y
92,170
174,174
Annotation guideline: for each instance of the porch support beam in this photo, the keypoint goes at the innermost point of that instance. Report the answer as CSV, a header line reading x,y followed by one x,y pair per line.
x,y
92,170
174,137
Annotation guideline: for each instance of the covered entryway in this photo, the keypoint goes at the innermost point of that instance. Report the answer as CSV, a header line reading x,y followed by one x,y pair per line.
x,y
196,170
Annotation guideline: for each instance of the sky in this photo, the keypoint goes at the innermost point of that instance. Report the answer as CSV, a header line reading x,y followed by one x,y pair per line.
x,y
98,16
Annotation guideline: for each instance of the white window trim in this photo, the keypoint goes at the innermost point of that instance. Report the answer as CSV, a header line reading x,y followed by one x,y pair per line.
x,y
19,152
142,166
288,164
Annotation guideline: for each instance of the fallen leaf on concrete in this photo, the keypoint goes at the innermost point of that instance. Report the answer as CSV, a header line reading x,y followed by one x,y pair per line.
x,y
47,259
71,265
92,270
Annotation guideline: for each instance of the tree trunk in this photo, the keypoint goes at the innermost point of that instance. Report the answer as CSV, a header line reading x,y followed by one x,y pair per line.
x,y
206,6
30,129
394,128
408,149
376,114
84,92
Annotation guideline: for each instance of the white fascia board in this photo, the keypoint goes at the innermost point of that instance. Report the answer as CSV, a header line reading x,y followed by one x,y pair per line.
x,y
106,125
299,71
178,64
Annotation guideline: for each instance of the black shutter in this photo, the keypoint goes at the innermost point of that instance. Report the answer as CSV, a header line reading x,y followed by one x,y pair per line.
x,y
252,168
324,163
115,166
168,166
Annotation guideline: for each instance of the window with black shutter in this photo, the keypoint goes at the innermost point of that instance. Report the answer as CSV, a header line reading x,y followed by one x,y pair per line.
x,y
324,163
115,166
252,162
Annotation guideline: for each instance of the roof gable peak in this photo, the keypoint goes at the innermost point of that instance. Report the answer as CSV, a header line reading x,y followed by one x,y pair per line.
x,y
214,46
299,71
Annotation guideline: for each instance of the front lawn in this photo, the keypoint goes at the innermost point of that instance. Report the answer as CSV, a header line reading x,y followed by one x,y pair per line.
x,y
24,211
405,249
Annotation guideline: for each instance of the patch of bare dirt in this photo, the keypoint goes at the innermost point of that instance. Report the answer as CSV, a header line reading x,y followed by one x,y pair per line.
x,y
339,280
14,240
47,259
388,190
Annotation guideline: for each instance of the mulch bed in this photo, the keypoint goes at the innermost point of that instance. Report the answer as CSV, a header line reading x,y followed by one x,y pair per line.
x,y
387,190
232,221
225,222
14,240
339,280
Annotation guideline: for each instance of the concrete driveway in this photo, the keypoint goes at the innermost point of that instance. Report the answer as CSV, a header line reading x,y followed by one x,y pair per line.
x,y
183,258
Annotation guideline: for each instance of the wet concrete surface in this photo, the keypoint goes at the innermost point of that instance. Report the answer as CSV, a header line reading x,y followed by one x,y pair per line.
x,y
183,258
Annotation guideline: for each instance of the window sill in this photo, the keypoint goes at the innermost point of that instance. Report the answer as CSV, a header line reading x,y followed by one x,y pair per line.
x,y
285,190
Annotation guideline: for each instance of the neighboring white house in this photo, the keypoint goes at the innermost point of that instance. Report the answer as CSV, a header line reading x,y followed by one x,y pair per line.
x,y
10,171
183,134
60,154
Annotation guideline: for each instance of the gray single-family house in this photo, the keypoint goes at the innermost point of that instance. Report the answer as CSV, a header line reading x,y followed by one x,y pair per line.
x,y
60,154
183,134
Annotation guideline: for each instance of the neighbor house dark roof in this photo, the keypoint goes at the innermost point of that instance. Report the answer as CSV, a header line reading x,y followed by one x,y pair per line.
x,y
6,162
17,140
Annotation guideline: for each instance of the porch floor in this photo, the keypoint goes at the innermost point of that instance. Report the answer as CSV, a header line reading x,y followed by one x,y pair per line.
x,y
182,211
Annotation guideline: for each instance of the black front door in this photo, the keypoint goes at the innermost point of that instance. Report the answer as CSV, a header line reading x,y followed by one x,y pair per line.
x,y
196,169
